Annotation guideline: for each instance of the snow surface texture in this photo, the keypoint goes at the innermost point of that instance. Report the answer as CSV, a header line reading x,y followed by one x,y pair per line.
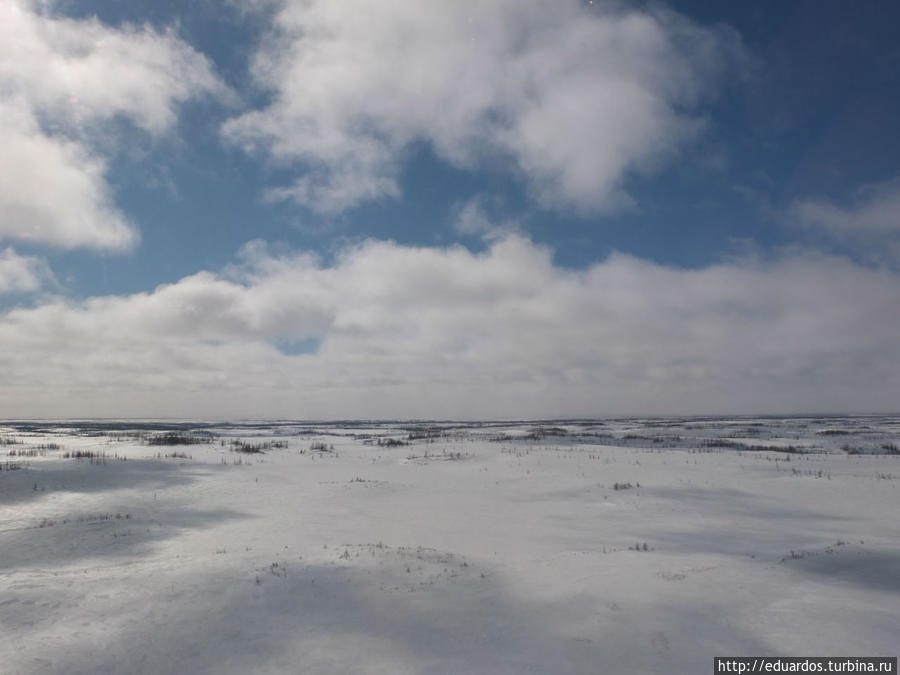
x,y
621,546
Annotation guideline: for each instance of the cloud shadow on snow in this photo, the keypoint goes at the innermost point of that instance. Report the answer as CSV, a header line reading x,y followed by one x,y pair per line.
x,y
323,618
120,520
71,475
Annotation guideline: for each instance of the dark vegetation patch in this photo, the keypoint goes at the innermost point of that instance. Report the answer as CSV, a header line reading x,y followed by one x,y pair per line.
x,y
737,445
443,455
95,456
427,435
537,434
624,486
883,449
391,442
178,438
239,445
35,450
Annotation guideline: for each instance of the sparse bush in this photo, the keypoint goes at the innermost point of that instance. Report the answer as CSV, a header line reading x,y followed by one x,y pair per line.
x,y
883,449
450,456
78,454
34,451
98,517
30,452
789,449
538,434
541,433
48,446
248,448
428,436
814,473
723,443
174,455
86,454
737,445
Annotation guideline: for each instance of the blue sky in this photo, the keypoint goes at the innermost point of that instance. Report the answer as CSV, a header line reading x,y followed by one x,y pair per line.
x,y
277,186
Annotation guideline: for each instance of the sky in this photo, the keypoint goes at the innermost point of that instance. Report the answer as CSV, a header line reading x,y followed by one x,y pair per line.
x,y
518,208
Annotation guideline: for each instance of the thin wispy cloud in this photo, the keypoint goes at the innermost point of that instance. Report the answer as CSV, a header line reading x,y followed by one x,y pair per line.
x,y
22,273
869,222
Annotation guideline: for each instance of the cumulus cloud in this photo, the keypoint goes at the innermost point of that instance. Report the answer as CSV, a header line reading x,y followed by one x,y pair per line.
x,y
61,80
20,273
54,190
575,97
444,332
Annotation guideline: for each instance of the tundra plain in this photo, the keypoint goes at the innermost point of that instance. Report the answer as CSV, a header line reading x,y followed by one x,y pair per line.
x,y
576,546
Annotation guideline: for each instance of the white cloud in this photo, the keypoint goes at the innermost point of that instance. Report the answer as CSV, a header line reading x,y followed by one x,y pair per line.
x,y
876,210
443,332
62,80
575,97
54,190
20,273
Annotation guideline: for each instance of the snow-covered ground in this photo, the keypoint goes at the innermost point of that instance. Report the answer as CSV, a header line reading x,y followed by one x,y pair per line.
x,y
622,546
